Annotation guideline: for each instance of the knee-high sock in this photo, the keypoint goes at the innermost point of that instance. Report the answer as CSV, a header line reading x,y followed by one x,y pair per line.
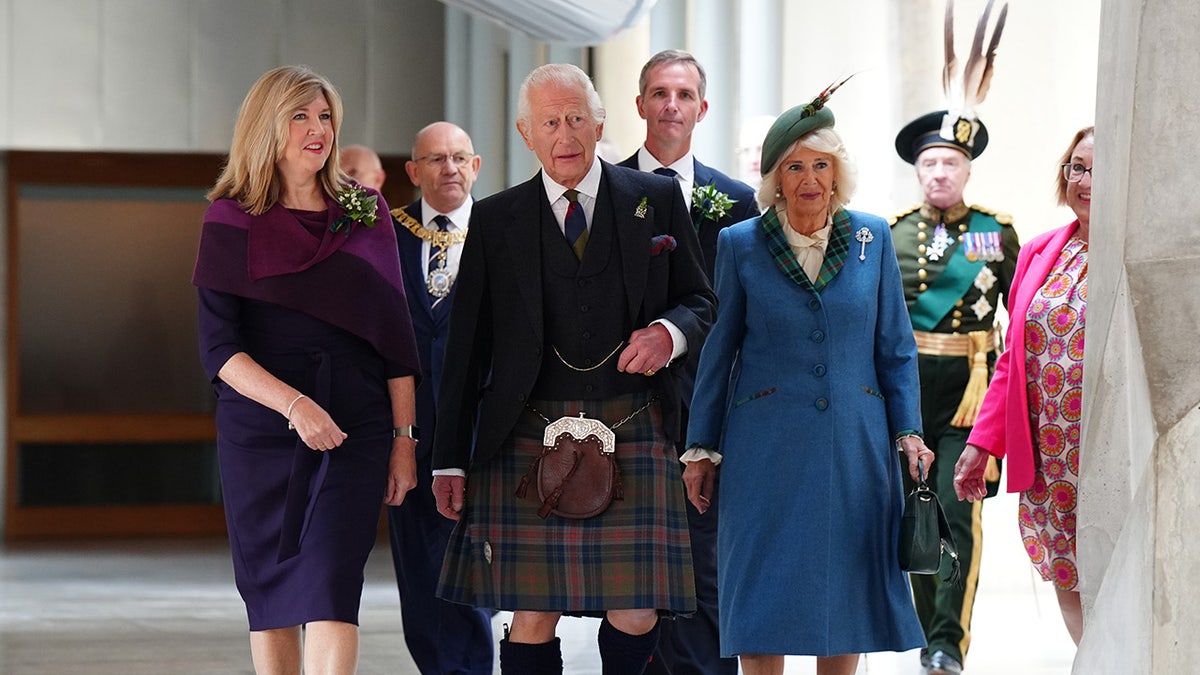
x,y
518,658
622,653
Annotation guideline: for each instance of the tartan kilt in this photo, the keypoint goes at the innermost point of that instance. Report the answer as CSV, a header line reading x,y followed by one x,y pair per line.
x,y
635,555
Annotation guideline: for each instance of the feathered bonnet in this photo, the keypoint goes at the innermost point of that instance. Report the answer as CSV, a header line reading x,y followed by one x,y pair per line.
x,y
957,127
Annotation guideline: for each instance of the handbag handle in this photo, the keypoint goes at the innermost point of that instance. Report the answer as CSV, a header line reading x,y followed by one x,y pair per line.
x,y
944,533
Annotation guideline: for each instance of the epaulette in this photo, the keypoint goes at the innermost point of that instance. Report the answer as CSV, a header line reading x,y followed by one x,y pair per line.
x,y
1002,218
896,218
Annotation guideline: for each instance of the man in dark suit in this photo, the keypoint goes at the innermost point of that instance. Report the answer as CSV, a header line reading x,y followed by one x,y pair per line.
x,y
578,289
672,102
672,86
442,637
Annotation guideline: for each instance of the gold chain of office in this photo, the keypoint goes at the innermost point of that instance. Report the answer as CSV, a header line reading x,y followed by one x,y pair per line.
x,y
436,238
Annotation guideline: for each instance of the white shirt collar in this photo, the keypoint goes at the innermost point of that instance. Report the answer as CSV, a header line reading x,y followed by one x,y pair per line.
x,y
684,166
458,217
588,187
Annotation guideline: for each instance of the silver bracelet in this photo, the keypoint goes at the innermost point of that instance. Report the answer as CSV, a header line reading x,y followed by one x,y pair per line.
x,y
900,448
289,410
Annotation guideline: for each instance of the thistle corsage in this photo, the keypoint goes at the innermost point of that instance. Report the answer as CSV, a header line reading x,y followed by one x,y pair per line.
x,y
359,207
710,202
641,209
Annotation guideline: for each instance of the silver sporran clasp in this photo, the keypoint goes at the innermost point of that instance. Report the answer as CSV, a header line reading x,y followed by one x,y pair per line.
x,y
580,428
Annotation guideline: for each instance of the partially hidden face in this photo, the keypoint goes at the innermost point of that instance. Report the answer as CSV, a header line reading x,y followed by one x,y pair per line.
x,y
310,139
943,173
1079,195
671,104
561,131
806,180
363,166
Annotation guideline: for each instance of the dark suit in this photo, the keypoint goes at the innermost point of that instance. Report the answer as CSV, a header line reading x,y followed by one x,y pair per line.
x,y
744,207
693,645
497,331
442,637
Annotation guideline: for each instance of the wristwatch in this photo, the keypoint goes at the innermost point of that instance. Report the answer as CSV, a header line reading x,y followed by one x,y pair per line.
x,y
409,431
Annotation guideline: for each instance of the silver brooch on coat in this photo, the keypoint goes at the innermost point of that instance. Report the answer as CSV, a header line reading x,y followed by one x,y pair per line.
x,y
864,237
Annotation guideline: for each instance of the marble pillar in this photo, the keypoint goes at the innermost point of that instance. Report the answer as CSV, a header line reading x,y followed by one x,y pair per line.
x,y
1139,563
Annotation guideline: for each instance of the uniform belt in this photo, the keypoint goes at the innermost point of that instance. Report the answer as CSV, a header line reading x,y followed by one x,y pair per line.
x,y
949,344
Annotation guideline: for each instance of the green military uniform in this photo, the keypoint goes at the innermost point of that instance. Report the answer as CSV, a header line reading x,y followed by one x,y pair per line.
x,y
955,266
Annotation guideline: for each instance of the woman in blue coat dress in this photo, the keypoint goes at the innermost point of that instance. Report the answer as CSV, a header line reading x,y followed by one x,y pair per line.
x,y
807,385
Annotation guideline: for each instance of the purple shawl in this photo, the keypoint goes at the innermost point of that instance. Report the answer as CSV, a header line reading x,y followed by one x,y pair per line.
x,y
351,282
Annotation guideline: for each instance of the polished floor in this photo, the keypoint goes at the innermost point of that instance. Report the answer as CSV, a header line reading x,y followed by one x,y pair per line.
x,y
169,607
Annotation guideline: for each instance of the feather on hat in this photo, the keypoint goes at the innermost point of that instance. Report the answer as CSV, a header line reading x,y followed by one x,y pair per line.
x,y
794,123
957,126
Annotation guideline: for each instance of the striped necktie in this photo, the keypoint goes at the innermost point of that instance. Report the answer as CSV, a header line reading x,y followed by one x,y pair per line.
x,y
435,268
575,224
435,252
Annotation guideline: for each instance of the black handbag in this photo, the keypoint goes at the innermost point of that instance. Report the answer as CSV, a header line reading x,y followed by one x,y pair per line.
x,y
925,535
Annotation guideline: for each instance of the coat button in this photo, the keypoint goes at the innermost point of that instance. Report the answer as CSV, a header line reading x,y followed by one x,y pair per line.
x,y
819,370
821,404
814,304
520,397
818,336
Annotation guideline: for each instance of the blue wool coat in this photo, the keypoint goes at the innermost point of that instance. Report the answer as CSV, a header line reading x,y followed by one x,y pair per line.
x,y
802,390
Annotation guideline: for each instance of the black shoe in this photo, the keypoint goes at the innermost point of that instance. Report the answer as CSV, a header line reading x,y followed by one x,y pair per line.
x,y
942,663
925,658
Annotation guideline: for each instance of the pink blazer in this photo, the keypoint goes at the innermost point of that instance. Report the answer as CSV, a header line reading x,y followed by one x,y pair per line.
x,y
1002,427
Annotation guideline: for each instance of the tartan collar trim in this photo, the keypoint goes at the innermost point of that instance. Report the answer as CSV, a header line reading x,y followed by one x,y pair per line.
x,y
785,259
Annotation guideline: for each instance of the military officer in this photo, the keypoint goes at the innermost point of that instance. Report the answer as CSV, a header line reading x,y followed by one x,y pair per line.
x,y
956,262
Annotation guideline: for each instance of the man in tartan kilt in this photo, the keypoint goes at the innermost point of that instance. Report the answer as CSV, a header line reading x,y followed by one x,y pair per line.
x,y
577,290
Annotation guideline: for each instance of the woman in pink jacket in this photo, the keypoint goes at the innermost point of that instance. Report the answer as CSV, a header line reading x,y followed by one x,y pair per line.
x,y
1032,412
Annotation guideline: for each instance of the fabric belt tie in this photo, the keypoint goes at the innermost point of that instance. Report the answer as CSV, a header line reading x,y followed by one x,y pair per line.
x,y
975,346
308,470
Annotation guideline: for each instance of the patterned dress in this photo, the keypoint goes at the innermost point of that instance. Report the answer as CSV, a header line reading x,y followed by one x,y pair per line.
x,y
1054,367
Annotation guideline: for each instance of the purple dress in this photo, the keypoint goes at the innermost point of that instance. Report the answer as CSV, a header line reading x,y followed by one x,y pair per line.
x,y
301,522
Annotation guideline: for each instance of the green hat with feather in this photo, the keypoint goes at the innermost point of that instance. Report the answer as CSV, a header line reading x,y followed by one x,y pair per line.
x,y
795,123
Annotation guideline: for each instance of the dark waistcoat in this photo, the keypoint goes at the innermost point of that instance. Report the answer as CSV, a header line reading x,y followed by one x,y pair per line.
x,y
586,317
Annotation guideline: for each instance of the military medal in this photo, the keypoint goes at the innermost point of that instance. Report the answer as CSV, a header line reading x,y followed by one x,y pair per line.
x,y
983,246
941,241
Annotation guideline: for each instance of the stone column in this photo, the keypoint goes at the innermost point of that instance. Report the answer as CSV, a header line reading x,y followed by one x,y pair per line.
x,y
1139,563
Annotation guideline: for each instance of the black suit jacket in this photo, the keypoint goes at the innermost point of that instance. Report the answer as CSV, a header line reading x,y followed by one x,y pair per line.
x,y
744,207
430,325
497,331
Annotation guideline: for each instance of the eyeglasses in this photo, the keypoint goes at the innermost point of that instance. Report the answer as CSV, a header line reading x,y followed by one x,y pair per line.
x,y
458,159
1074,172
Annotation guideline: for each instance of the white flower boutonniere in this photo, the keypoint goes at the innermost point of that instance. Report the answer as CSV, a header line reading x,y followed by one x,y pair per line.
x,y
641,209
710,202
359,207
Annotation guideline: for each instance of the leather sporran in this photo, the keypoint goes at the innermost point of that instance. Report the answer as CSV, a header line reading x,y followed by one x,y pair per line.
x,y
577,473
925,534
